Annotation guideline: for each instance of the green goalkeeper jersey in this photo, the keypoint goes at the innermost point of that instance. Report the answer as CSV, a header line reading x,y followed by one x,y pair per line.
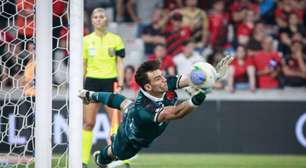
x,y
140,118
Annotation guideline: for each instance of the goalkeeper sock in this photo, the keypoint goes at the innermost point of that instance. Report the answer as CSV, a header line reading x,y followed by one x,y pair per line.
x,y
108,98
86,145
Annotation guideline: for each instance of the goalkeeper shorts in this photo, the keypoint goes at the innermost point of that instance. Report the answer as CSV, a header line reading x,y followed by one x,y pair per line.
x,y
122,147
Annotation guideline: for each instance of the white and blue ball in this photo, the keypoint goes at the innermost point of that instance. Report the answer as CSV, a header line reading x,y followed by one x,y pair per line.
x,y
203,75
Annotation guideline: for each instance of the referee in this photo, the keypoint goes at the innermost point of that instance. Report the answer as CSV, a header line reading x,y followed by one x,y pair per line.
x,y
103,54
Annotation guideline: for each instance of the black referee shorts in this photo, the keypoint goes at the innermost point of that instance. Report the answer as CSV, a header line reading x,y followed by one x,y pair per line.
x,y
99,85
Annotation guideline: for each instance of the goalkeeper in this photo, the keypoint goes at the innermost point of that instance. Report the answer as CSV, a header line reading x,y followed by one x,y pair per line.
x,y
147,117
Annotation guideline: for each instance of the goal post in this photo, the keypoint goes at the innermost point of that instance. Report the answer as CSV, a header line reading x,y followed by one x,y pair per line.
x,y
75,83
44,83
41,71
43,110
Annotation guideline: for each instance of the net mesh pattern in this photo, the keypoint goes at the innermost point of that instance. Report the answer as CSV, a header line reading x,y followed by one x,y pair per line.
x,y
17,48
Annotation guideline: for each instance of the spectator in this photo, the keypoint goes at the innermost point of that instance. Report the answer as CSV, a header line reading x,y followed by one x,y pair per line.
x,y
152,34
11,65
129,78
283,11
187,58
166,62
267,64
294,31
294,66
29,73
87,24
266,8
170,5
239,8
131,11
245,29
284,43
295,25
241,72
25,19
196,19
60,59
126,11
120,9
26,55
218,22
176,34
59,20
141,11
254,44
5,39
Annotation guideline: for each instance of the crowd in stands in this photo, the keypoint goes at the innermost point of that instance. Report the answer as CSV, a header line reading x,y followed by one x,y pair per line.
x,y
267,37
17,35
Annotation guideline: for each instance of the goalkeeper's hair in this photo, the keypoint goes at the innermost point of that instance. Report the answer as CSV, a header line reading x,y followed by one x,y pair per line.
x,y
141,76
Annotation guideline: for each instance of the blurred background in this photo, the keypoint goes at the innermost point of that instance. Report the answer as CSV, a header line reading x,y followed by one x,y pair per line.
x,y
267,38
258,107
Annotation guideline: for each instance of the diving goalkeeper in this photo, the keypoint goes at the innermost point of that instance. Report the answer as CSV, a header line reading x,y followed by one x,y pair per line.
x,y
147,117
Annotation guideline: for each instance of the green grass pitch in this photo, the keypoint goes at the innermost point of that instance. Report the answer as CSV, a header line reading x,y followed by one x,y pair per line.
x,y
207,161
218,161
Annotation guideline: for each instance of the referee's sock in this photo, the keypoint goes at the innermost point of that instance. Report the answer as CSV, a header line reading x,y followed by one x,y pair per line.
x,y
86,145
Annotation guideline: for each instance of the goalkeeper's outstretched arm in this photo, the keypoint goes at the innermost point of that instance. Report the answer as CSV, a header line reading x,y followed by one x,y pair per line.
x,y
181,110
183,81
110,99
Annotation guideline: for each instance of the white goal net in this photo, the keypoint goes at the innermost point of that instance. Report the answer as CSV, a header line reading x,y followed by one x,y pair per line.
x,y
18,84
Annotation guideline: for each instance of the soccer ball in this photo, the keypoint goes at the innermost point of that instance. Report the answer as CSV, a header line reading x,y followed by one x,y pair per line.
x,y
203,75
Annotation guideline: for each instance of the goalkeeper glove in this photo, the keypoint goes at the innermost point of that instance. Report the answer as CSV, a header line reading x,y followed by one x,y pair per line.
x,y
85,95
198,95
191,90
222,65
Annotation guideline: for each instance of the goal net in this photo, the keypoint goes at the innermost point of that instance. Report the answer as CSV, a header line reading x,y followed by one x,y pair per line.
x,y
24,99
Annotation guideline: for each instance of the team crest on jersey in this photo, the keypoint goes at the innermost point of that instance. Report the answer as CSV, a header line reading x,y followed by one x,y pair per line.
x,y
170,97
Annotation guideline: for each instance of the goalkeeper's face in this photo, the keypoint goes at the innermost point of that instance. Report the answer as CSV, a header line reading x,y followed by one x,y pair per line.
x,y
158,83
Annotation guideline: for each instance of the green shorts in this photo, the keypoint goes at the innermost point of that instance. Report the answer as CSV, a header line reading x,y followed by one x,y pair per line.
x,y
122,147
